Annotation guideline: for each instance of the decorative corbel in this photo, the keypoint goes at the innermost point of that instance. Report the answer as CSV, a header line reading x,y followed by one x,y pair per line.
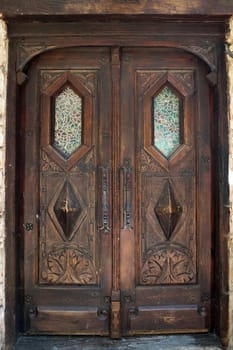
x,y
25,52
228,50
21,77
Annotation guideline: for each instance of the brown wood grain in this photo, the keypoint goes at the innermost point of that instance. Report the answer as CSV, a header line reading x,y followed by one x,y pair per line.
x,y
169,7
118,114
186,176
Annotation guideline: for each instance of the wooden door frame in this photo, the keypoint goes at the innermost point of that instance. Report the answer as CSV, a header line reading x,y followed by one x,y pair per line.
x,y
28,39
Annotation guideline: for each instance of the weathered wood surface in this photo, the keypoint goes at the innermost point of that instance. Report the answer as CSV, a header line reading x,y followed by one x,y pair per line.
x,y
11,8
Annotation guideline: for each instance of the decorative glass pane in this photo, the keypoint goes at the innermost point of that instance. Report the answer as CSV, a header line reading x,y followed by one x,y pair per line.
x,y
166,121
68,122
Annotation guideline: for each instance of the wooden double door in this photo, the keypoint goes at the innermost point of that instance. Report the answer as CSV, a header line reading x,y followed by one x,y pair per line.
x,y
116,192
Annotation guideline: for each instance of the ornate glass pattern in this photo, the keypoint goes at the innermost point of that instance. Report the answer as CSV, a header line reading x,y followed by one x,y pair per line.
x,y
166,118
68,122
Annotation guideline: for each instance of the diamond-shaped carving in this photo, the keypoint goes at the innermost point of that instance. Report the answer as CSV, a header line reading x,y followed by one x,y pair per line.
x,y
67,209
166,119
67,131
168,210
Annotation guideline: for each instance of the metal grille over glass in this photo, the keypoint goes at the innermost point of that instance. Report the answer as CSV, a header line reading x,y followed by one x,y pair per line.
x,y
67,132
166,119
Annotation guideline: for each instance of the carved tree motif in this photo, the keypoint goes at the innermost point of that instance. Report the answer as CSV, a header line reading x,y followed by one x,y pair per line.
x,y
68,265
168,264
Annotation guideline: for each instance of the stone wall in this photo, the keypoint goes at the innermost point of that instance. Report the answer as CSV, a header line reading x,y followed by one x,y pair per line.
x,y
230,115
3,81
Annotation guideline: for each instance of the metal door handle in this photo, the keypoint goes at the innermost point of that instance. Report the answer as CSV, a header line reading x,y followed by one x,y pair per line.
x,y
105,227
127,193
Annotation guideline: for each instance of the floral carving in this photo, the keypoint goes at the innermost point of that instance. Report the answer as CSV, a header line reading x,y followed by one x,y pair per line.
x,y
147,163
87,78
86,163
186,77
27,51
48,77
168,264
47,164
148,78
207,53
68,265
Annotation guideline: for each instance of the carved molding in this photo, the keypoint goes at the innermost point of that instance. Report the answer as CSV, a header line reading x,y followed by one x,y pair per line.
x,y
148,78
67,265
205,52
168,210
27,51
86,164
47,77
186,77
168,263
147,163
47,164
69,209
87,78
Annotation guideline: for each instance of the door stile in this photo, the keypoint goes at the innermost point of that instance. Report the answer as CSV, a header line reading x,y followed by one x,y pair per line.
x,y
115,298
127,236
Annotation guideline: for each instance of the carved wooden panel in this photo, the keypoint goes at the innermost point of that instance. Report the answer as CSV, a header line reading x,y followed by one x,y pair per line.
x,y
168,240
168,231
68,195
165,253
67,258
68,226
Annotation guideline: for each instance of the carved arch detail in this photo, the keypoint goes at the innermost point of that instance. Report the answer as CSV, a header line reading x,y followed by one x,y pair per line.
x,y
26,52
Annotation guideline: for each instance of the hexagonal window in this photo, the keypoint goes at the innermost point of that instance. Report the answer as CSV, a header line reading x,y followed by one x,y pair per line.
x,y
67,124
167,121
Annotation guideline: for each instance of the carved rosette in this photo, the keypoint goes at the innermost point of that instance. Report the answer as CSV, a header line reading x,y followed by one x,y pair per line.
x,y
67,265
168,264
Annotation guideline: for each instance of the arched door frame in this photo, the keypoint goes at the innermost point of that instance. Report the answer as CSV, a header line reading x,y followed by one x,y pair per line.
x,y
204,40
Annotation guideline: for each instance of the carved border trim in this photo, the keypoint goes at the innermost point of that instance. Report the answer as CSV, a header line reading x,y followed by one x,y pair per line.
x,y
25,52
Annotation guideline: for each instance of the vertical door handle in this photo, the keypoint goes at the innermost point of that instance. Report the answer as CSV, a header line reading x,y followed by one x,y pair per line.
x,y
105,215
127,193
